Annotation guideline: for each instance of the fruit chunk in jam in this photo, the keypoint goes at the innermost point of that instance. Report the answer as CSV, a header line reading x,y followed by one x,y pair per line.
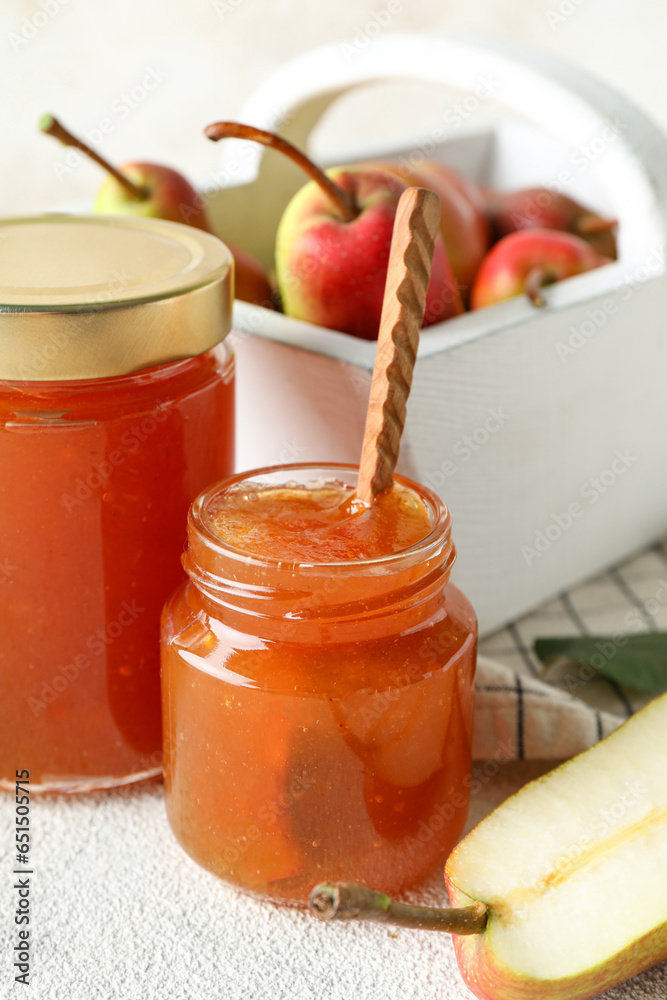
x,y
317,687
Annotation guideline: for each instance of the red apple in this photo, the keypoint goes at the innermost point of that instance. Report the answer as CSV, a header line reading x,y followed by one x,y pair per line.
x,y
539,208
332,244
464,223
523,263
332,272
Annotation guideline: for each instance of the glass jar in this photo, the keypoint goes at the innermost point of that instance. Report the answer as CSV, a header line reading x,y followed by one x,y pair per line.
x,y
317,717
115,413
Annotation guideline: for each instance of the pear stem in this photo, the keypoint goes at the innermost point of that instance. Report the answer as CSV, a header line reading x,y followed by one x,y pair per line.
x,y
347,901
589,224
343,200
534,282
51,126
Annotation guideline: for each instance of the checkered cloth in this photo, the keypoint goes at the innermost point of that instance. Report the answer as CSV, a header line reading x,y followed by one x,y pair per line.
x,y
525,710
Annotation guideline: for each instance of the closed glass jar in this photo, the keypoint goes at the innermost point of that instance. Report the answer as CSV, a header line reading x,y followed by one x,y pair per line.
x,y
116,409
317,714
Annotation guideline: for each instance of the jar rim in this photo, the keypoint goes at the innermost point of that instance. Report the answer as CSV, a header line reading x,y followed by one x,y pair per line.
x,y
438,535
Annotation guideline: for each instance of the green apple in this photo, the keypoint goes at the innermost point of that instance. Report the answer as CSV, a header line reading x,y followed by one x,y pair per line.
x,y
560,893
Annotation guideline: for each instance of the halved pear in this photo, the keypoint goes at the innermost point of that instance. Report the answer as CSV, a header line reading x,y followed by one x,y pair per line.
x,y
573,870
561,892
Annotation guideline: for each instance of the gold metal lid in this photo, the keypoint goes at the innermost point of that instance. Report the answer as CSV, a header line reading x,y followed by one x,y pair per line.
x,y
91,296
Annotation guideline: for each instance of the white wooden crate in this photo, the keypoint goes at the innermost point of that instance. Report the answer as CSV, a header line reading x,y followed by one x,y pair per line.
x,y
509,426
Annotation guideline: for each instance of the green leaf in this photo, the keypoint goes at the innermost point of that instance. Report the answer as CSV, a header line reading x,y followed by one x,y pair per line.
x,y
636,661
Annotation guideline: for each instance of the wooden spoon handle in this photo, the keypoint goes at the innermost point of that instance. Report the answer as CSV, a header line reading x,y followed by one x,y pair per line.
x,y
412,245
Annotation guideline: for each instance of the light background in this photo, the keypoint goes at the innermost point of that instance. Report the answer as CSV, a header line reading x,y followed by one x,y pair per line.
x,y
78,58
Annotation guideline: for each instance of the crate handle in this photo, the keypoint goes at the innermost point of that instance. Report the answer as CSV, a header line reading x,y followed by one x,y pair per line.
x,y
560,100
563,102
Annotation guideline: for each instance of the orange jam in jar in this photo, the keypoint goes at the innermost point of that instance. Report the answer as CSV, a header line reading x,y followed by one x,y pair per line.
x,y
109,429
317,678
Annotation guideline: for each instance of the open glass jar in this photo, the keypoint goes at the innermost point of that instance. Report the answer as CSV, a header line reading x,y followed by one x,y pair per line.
x,y
116,409
317,714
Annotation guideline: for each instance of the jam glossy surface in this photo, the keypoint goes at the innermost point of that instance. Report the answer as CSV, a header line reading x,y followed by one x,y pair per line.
x,y
320,522
97,479
336,751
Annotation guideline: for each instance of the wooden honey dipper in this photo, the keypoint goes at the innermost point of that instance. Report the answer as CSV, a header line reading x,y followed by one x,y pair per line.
x,y
412,245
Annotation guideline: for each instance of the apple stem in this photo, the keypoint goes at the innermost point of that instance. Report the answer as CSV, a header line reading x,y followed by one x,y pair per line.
x,y
342,199
534,282
51,126
347,901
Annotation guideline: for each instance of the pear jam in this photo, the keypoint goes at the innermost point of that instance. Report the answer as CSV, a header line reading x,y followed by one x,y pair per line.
x,y
116,410
317,677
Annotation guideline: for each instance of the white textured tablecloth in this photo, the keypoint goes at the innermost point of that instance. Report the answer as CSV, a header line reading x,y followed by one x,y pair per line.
x,y
119,912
